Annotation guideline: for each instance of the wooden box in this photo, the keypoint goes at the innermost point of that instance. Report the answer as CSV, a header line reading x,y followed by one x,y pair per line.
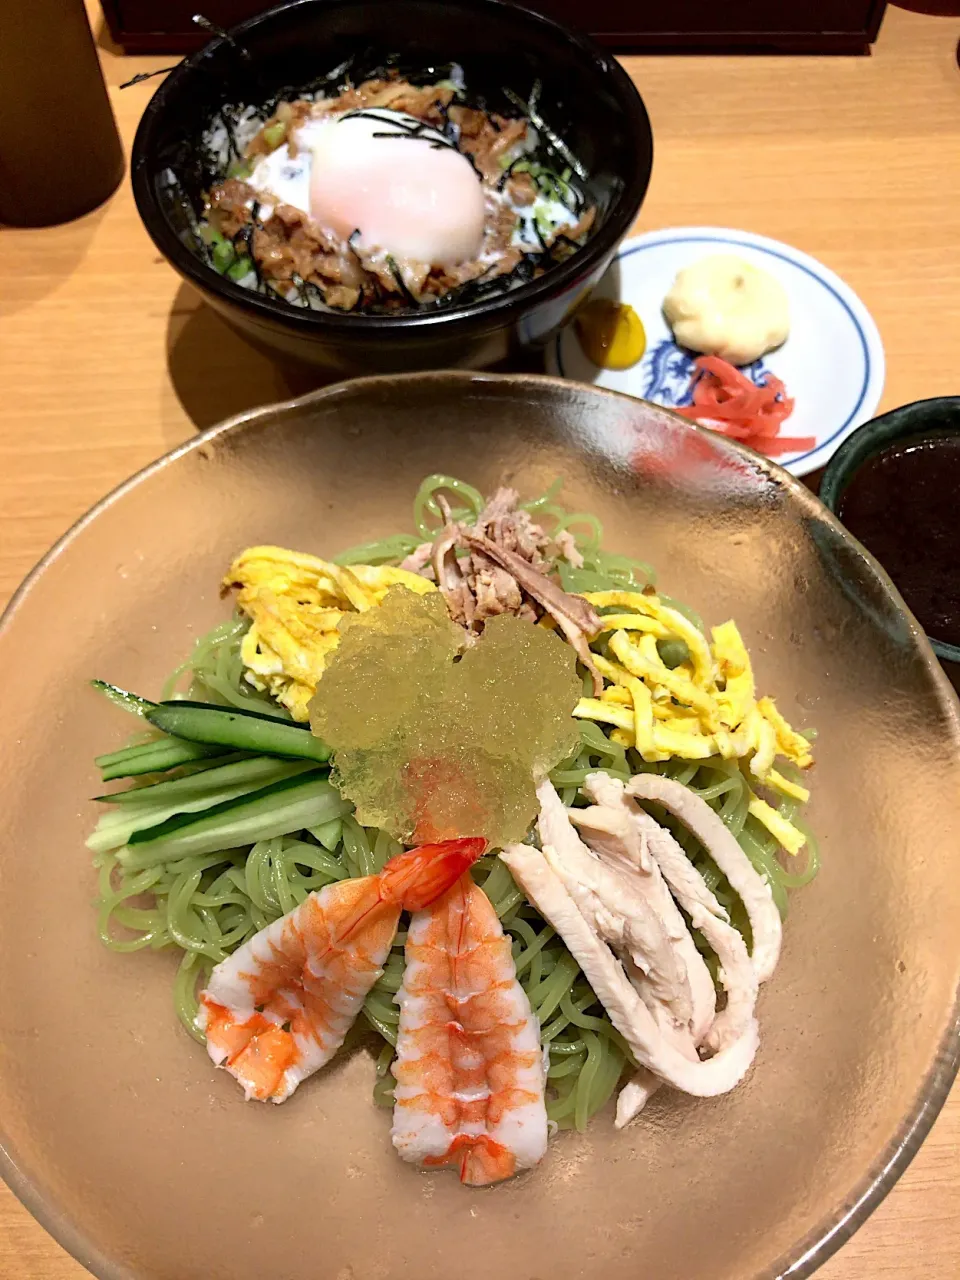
x,y
788,26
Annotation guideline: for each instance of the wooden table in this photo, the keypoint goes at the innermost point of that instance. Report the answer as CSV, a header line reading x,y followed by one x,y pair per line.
x,y
107,361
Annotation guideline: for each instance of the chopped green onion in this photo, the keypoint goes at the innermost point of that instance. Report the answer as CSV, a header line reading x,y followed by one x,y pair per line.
x,y
544,224
240,269
223,255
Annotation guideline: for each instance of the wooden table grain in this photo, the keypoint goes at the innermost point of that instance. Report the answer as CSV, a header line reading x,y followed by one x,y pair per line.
x,y
107,361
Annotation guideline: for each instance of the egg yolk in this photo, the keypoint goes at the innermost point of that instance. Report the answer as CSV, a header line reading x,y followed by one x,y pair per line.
x,y
397,185
610,333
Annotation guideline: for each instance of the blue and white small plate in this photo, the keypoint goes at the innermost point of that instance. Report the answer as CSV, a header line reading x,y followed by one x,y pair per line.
x,y
831,364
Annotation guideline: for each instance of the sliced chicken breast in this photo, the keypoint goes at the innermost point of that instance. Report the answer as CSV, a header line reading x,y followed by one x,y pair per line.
x,y
738,975
611,831
617,909
535,872
635,1095
753,890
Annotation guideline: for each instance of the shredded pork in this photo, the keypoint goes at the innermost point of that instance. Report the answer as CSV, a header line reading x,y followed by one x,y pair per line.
x,y
503,563
576,618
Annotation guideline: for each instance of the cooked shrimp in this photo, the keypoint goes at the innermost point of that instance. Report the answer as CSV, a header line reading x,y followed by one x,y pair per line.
x,y
469,1069
279,1008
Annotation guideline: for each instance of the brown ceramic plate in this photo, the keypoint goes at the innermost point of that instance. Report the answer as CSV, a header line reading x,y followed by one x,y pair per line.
x,y
146,1163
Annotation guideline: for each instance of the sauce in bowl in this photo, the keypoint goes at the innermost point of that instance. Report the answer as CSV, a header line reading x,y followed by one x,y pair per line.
x,y
902,504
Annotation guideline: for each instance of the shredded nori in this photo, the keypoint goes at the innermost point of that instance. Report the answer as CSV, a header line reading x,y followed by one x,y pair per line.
x,y
205,24
401,128
397,274
540,236
554,141
147,75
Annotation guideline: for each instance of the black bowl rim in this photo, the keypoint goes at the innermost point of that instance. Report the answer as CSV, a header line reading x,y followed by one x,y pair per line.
x,y
319,323
868,440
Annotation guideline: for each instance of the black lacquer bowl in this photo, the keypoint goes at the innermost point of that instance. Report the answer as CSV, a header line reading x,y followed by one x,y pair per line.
x,y
585,97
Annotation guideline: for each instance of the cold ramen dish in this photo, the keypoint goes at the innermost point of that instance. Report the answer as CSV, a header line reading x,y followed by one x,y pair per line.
x,y
388,195
481,793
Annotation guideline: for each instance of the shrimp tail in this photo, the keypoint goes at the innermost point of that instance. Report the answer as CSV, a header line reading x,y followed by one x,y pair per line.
x,y
417,877
480,1159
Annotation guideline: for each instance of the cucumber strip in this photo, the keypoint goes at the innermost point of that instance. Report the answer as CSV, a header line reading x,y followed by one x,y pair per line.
x,y
122,698
188,768
239,711
210,787
164,743
153,757
127,753
174,824
328,833
225,771
120,826
239,730
285,807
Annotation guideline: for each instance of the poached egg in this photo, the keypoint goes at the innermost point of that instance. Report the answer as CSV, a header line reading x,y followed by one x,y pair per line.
x,y
387,180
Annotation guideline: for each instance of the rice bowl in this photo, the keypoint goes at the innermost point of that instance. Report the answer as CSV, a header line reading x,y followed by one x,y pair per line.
x,y
580,111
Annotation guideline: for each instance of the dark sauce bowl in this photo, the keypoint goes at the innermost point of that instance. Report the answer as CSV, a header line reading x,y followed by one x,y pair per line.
x,y
586,98
934,424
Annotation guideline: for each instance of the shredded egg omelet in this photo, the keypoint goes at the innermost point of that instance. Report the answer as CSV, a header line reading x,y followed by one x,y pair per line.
x,y
295,603
705,706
